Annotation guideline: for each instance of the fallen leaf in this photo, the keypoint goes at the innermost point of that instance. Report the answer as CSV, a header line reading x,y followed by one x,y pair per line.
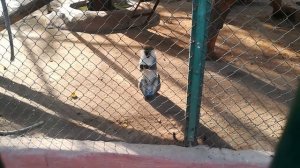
x,y
74,96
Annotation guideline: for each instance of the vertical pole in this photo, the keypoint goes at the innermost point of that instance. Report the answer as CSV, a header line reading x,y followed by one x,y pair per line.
x,y
198,47
287,152
8,28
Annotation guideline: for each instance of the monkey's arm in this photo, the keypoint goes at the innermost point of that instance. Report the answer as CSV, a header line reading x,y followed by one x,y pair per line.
x,y
7,25
156,84
142,86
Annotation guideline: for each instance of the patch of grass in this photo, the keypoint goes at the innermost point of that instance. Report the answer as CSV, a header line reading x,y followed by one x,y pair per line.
x,y
117,6
83,8
121,5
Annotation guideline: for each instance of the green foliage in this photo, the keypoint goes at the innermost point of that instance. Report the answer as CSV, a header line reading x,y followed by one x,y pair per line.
x,y
121,5
118,6
83,8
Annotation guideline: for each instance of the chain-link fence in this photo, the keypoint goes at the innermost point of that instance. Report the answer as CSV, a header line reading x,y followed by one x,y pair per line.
x,y
77,72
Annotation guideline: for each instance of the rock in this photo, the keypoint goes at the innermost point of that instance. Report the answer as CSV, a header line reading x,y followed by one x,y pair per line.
x,y
159,120
286,8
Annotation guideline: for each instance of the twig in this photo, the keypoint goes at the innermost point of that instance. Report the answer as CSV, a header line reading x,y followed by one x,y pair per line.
x,y
22,130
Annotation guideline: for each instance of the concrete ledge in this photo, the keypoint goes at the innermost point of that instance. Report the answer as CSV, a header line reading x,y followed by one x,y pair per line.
x,y
96,22
67,153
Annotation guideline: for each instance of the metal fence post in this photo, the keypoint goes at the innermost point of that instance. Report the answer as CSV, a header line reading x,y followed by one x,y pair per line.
x,y
287,152
198,47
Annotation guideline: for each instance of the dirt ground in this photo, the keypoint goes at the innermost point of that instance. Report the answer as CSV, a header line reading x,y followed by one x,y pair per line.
x,y
246,97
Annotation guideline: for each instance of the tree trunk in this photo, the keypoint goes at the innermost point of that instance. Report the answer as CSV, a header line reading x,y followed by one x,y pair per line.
x,y
288,9
100,5
277,12
219,12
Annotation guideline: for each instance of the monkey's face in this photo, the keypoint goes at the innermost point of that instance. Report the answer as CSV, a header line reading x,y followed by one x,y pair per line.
x,y
148,59
148,51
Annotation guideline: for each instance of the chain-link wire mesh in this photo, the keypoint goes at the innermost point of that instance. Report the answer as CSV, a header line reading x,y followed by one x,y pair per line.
x,y
77,70
248,89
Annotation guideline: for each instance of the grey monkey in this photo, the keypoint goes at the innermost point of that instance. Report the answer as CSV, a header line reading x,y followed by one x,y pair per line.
x,y
150,83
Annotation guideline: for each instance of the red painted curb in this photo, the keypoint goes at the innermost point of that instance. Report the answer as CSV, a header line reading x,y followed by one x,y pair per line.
x,y
56,159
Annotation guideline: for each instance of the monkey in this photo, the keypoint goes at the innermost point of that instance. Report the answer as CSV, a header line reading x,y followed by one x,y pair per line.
x,y
150,83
